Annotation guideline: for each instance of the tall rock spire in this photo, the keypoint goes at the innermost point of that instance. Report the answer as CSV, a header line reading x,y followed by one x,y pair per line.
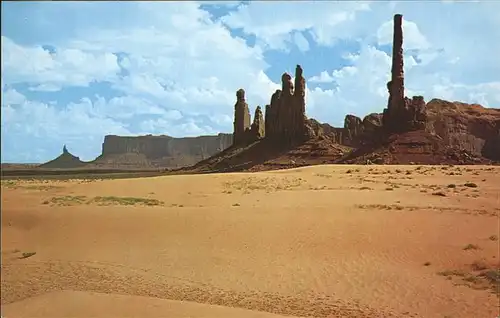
x,y
396,90
241,117
401,114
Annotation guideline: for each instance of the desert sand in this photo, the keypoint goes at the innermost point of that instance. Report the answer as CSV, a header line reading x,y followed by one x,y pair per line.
x,y
322,241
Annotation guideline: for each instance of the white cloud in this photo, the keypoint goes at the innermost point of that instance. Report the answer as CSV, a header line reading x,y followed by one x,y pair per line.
x,y
273,22
191,128
359,88
413,38
30,127
65,67
323,77
301,41
230,4
12,97
45,88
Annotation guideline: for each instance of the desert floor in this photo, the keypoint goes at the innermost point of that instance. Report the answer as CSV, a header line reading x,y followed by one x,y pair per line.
x,y
323,241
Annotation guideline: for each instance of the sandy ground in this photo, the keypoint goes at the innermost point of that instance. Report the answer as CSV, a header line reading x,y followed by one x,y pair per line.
x,y
323,241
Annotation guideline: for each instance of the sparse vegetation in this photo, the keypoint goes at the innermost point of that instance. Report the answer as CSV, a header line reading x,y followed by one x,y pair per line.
x,y
439,193
112,200
322,175
492,275
470,185
269,184
485,279
479,265
430,208
68,200
380,206
471,279
41,187
453,272
26,255
471,247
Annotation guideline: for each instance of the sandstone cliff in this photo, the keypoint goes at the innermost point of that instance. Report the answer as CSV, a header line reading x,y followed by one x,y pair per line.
x,y
164,151
467,126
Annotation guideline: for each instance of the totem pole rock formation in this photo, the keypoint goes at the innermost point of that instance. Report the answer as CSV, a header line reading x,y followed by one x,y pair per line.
x,y
285,116
285,119
241,118
258,127
401,114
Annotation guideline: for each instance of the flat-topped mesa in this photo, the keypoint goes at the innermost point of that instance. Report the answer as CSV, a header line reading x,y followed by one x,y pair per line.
x,y
285,116
241,118
401,114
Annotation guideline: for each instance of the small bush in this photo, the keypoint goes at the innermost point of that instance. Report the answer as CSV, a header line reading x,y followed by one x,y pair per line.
x,y
471,247
68,200
27,254
453,272
470,185
439,193
492,275
479,266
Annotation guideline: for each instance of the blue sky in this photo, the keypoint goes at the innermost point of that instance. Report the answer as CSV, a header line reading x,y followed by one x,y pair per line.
x,y
73,72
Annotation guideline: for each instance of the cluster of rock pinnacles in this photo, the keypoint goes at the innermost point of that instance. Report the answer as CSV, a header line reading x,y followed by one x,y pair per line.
x,y
285,120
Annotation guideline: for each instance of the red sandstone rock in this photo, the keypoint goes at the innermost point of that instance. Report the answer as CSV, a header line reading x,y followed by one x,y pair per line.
x,y
258,125
65,161
286,121
372,122
470,127
401,114
241,118
353,127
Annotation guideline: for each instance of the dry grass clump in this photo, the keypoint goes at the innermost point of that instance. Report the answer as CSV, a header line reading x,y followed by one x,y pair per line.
x,y
70,200
67,200
471,247
112,200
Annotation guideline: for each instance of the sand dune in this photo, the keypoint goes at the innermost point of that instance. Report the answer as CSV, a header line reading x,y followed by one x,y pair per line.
x,y
77,304
323,241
